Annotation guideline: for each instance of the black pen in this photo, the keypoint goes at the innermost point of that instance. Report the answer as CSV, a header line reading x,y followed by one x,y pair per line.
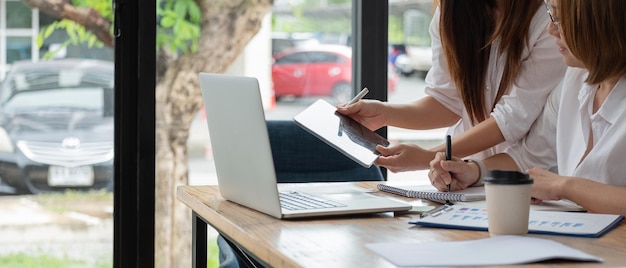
x,y
448,157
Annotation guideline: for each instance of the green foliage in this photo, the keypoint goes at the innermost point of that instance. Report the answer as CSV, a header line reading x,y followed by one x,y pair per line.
x,y
396,35
178,28
77,35
76,32
181,17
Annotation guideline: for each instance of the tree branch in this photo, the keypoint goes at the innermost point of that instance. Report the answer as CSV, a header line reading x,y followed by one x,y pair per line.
x,y
87,17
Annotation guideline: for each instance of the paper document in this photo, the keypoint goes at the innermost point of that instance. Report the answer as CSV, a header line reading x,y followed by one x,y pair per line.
x,y
498,250
540,222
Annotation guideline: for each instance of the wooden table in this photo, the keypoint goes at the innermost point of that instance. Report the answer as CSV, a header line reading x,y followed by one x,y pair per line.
x,y
340,241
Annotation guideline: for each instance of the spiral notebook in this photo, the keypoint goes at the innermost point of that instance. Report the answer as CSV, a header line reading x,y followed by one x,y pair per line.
x,y
431,193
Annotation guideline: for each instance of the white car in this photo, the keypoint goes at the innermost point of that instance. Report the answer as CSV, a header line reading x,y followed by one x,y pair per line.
x,y
419,59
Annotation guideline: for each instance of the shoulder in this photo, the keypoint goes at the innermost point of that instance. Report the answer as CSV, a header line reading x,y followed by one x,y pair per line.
x,y
539,23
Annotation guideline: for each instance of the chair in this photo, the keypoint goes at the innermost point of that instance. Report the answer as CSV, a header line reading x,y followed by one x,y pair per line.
x,y
300,157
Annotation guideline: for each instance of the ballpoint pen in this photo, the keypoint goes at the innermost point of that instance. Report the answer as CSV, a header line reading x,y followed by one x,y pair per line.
x,y
448,157
358,96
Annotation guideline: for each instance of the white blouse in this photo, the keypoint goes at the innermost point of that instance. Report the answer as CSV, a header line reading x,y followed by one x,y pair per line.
x,y
541,70
559,138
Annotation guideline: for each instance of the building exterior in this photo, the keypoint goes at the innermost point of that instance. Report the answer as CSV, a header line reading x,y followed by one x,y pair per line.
x,y
19,27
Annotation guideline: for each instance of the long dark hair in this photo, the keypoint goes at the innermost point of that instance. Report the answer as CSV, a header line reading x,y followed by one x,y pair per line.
x,y
468,30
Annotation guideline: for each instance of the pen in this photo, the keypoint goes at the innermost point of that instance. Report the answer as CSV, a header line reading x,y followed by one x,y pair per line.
x,y
359,96
448,155
437,211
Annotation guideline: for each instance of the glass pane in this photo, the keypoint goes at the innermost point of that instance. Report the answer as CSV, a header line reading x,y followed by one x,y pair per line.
x,y
308,56
19,15
18,48
410,55
56,152
302,53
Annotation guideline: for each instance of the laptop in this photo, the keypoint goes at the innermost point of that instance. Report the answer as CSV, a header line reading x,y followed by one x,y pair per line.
x,y
244,164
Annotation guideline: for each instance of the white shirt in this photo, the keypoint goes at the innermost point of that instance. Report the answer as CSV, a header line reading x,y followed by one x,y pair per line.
x,y
541,70
560,135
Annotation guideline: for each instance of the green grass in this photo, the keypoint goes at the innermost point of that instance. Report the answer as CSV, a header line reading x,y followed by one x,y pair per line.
x,y
72,195
213,254
58,202
23,260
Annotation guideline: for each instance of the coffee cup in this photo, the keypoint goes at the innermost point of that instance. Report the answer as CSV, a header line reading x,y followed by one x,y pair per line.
x,y
508,202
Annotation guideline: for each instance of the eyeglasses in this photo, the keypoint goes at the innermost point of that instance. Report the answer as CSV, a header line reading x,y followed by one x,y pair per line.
x,y
555,22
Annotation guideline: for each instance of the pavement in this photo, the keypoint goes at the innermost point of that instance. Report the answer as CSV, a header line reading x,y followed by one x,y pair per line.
x,y
75,229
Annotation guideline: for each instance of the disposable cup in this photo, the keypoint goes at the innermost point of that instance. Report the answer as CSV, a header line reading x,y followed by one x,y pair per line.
x,y
508,202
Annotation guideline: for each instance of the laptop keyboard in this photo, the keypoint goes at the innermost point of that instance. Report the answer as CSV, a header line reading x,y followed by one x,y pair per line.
x,y
298,201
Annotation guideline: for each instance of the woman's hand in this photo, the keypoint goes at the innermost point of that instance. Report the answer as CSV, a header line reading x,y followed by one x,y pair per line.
x,y
546,185
369,113
456,172
403,157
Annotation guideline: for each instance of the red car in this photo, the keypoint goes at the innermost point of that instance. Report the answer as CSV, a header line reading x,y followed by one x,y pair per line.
x,y
324,70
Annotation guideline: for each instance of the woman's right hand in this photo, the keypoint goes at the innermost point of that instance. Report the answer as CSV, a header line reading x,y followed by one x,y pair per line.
x,y
369,113
456,172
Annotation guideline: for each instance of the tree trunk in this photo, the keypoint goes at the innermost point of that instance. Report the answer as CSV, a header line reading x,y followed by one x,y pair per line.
x,y
227,26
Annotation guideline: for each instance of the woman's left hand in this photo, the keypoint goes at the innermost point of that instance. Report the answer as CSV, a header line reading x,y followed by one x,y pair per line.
x,y
546,185
404,157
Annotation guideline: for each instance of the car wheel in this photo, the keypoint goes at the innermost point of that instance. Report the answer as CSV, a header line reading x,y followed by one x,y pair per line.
x,y
342,92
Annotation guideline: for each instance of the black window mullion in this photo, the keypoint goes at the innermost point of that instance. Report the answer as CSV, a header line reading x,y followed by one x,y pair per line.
x,y
370,21
134,163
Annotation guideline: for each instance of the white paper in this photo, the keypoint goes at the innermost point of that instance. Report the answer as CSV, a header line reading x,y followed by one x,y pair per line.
x,y
499,250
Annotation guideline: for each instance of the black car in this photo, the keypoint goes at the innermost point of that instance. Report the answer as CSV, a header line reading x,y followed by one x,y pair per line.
x,y
56,126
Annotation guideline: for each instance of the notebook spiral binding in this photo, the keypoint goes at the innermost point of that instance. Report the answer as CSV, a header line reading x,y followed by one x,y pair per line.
x,y
422,194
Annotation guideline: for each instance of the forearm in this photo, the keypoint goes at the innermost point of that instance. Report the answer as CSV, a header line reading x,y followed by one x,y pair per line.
x,y
425,113
595,197
501,161
478,138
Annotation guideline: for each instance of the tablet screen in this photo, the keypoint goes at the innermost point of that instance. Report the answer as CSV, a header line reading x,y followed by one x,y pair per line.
x,y
341,132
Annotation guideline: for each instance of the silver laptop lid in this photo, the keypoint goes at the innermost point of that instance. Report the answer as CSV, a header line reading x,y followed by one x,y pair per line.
x,y
240,142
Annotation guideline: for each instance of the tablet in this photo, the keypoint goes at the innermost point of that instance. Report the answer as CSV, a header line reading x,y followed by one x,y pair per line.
x,y
341,132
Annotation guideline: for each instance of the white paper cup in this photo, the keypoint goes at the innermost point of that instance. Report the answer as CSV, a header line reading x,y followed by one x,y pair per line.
x,y
508,202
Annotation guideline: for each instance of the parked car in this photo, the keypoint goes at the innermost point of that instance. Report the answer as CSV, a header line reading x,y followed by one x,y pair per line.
x,y
282,41
324,70
56,125
418,58
399,59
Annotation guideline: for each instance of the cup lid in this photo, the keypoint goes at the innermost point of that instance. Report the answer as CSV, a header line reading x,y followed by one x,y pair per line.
x,y
507,177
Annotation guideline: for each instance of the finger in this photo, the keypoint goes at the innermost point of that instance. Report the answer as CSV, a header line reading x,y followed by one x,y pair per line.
x,y
382,149
437,180
535,201
454,166
383,161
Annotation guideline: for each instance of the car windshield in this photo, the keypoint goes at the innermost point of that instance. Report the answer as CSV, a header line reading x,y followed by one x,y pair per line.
x,y
88,98
45,79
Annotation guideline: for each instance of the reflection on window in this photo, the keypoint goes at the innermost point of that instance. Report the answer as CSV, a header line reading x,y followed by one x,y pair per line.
x,y
18,48
19,15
